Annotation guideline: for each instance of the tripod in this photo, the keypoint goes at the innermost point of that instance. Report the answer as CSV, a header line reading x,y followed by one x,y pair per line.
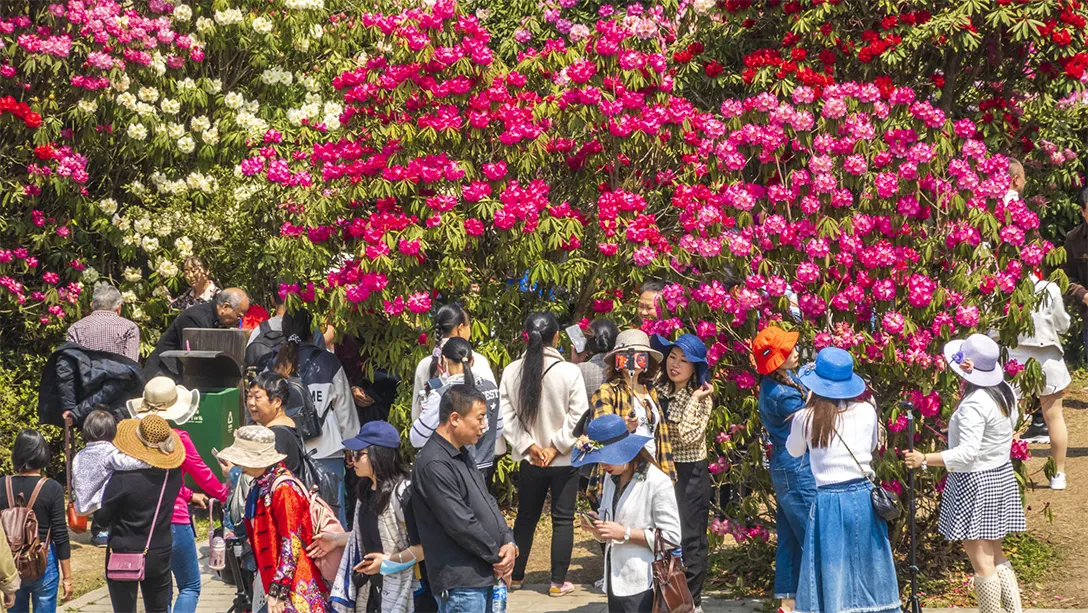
x,y
242,598
914,604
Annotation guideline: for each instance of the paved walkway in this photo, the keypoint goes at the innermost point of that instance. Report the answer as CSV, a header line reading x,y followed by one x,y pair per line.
x,y
217,597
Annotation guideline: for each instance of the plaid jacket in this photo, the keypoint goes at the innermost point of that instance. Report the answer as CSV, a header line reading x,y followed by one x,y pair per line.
x,y
615,398
687,421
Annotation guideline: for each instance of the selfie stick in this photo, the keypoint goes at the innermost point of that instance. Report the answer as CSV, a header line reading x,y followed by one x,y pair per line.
x,y
914,604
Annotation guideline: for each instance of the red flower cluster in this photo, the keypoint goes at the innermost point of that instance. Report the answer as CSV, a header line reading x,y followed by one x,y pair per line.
x,y
22,111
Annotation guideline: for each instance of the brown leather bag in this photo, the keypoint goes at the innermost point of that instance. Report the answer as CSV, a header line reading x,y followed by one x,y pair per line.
x,y
671,594
21,527
76,523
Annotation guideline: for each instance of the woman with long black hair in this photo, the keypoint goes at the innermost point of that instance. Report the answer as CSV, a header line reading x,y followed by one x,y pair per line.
x,y
543,397
457,361
450,321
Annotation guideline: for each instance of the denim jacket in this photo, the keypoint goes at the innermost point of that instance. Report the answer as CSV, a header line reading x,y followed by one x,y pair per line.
x,y
777,403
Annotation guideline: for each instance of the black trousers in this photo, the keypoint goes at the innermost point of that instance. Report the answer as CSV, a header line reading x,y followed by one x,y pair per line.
x,y
534,483
639,603
157,586
693,498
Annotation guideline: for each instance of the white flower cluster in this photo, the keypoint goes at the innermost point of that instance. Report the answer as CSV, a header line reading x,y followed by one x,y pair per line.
x,y
148,94
199,124
213,86
703,7
186,85
126,100
175,130
210,136
228,17
170,106
195,181
301,5
90,275
184,246
150,244
166,268
253,125
329,112
273,76
182,12
87,105
262,25
186,144
108,206
158,63
244,192
234,100
137,131
204,25
201,182
144,109
132,275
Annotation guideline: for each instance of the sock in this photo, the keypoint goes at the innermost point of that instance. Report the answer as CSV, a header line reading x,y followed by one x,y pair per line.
x,y
1010,590
988,592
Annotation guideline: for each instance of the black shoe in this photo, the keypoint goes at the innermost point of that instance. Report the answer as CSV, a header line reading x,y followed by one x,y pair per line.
x,y
1036,434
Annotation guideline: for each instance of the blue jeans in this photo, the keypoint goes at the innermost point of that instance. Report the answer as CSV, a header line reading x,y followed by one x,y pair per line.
x,y
185,565
336,466
795,489
466,600
42,592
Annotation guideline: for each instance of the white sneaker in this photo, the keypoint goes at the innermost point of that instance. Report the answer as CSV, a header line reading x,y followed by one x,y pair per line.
x,y
1058,482
599,584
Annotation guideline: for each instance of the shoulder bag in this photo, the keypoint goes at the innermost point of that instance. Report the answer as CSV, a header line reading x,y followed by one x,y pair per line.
x,y
885,503
671,593
132,566
76,523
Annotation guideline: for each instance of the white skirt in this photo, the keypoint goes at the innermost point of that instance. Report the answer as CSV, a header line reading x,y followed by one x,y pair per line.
x,y
1053,363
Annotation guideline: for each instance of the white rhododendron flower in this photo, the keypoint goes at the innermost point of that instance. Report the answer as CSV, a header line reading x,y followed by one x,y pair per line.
x,y
121,84
253,106
132,275
90,275
314,5
234,100
332,122
201,123
273,76
137,314
184,246
186,84
86,105
703,6
213,86
170,106
186,144
204,24
210,136
158,63
316,31
150,244
182,12
148,94
128,296
121,223
228,17
142,225
175,130
131,240
163,228
161,292
167,269
126,100
310,82
262,25
137,188
107,206
137,131
144,109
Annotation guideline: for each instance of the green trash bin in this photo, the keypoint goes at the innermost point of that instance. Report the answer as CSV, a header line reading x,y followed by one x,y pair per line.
x,y
218,377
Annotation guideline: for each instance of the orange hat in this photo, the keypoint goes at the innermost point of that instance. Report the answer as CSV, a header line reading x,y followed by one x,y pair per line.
x,y
771,347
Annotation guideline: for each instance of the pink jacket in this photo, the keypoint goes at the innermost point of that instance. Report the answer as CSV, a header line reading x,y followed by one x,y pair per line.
x,y
195,467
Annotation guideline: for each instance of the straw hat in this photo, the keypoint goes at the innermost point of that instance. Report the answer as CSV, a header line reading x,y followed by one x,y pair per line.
x,y
633,340
254,447
166,399
152,440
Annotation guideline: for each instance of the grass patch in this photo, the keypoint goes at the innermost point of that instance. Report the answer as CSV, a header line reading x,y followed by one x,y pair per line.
x,y
1031,558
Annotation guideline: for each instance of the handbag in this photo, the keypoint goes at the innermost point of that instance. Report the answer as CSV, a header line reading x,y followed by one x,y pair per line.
x,y
76,523
885,503
132,566
671,594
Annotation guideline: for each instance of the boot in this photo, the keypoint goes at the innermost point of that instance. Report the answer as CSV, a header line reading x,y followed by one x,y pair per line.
x,y
988,592
1010,589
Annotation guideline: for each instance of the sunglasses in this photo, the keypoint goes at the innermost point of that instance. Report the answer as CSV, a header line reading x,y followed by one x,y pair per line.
x,y
631,360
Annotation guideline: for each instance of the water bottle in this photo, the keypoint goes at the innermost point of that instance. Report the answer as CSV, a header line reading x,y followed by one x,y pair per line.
x,y
498,597
217,560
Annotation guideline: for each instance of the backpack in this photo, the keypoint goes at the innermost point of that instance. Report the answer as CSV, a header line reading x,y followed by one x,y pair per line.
x,y
21,527
323,519
315,476
307,421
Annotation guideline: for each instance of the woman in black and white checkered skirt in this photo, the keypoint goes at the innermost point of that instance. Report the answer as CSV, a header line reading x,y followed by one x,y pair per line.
x,y
981,500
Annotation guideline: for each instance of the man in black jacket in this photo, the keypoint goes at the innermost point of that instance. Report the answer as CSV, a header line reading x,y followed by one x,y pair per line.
x,y
77,380
224,312
466,538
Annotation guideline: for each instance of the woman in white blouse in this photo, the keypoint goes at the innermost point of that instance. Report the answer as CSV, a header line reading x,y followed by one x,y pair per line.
x,y
846,561
981,500
638,506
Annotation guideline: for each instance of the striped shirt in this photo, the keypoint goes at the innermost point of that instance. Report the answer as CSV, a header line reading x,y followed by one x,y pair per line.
x,y
107,331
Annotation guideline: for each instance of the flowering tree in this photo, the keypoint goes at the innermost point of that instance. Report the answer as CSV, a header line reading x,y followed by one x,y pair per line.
x,y
522,158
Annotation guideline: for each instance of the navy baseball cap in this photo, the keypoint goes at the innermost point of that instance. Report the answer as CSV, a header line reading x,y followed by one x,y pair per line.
x,y
379,433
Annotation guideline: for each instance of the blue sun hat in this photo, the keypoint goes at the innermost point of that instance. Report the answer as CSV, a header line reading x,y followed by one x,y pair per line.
x,y
694,351
832,375
609,443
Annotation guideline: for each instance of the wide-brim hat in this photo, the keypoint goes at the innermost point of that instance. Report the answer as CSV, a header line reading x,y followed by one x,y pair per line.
x,y
832,375
166,399
151,440
693,348
254,447
610,442
772,347
984,354
633,340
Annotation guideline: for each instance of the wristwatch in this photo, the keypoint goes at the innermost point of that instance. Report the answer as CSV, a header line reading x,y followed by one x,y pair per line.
x,y
626,535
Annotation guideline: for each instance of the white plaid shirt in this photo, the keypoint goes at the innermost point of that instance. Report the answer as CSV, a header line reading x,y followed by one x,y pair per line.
x,y
107,331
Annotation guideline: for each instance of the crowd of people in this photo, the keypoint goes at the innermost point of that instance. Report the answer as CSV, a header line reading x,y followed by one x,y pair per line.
x,y
328,515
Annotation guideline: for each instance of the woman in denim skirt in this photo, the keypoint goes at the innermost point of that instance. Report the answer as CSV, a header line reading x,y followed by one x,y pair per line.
x,y
981,500
780,397
847,565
